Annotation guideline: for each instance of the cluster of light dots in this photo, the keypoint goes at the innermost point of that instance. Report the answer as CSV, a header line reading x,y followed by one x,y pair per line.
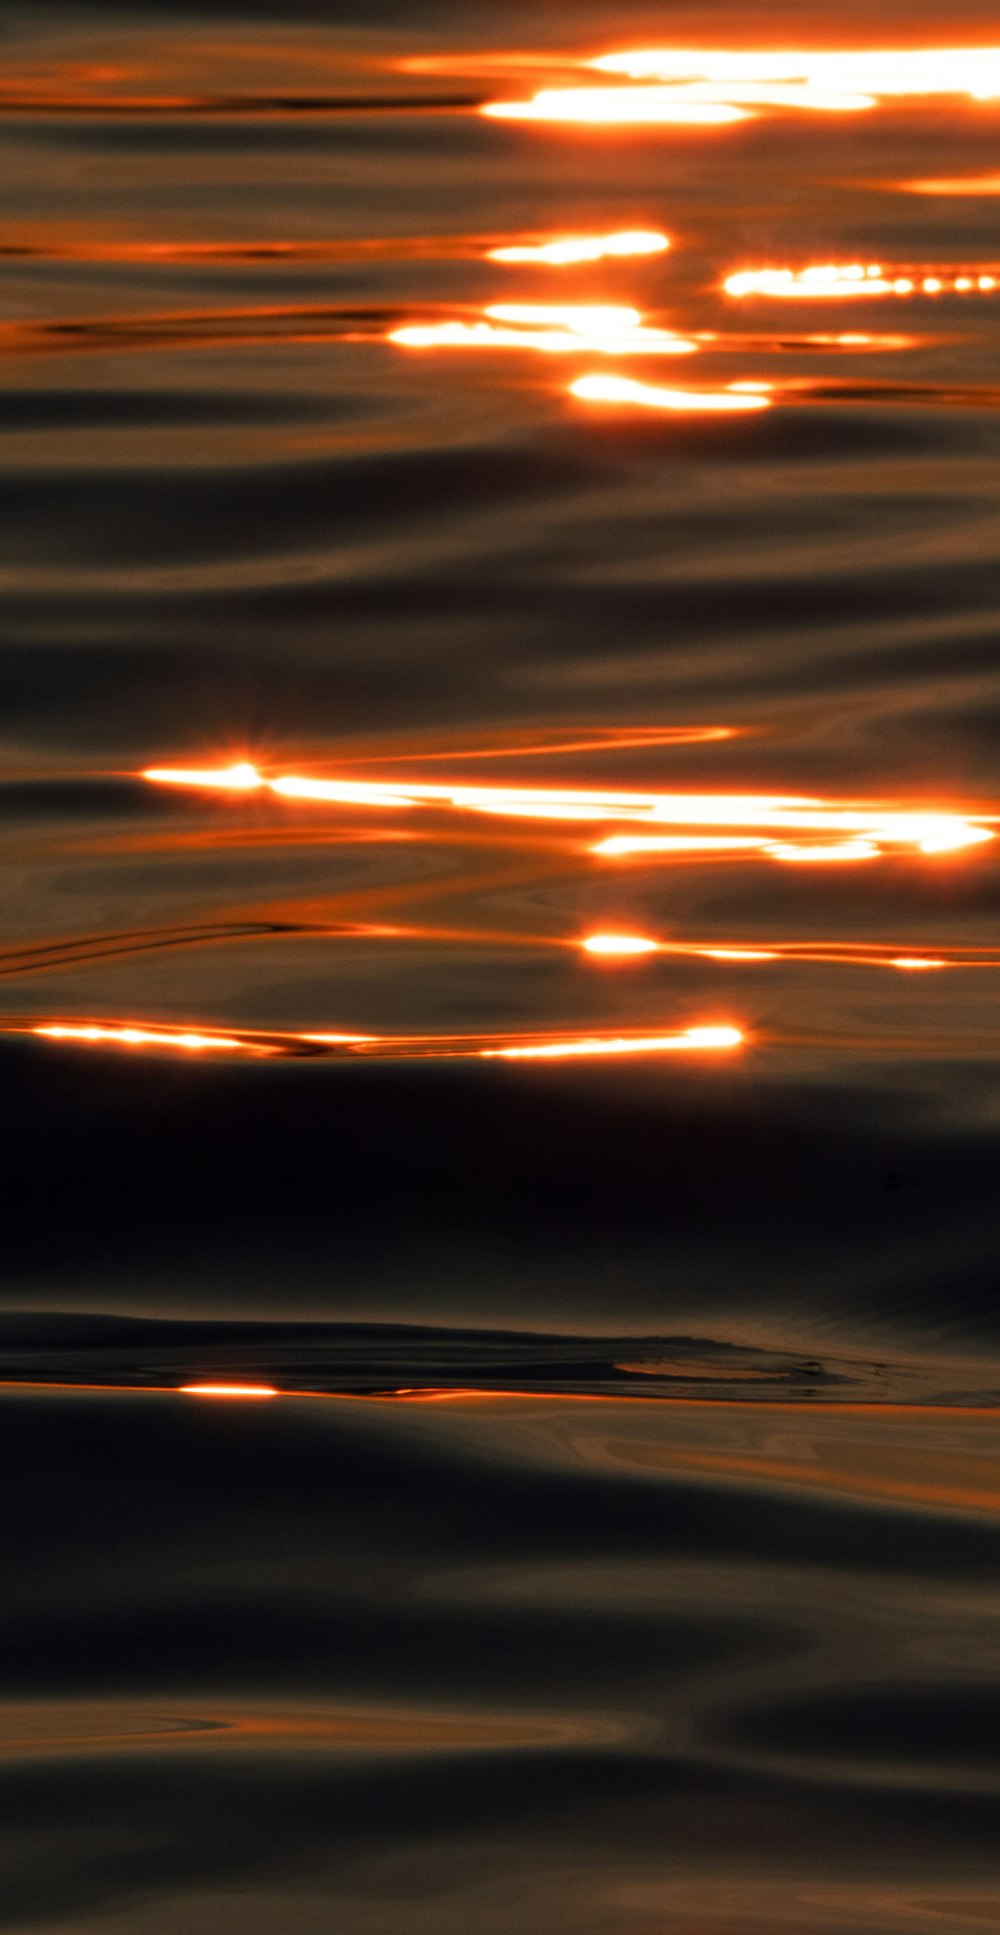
x,y
553,328
687,87
778,826
836,280
566,250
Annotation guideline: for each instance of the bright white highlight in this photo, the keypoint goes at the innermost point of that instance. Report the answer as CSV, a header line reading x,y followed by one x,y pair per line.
x,y
610,106
691,1039
648,396
127,1037
780,826
583,248
554,328
618,945
828,281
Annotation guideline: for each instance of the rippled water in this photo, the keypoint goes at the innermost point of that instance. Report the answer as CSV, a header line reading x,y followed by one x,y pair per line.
x,y
500,1344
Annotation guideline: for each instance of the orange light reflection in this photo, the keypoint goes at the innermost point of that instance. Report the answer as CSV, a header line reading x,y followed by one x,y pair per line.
x,y
618,945
764,821
846,281
571,249
611,106
690,1040
128,1036
554,329
230,1390
711,1036
646,396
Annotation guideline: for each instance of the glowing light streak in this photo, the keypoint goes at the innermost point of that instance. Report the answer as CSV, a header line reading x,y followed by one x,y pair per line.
x,y
554,329
132,1037
686,86
914,961
229,1390
571,249
822,76
646,396
960,185
691,1040
241,778
618,945
710,821
617,106
739,953
845,281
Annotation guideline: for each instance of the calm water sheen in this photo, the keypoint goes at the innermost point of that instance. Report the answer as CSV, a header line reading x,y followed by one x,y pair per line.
x,y
618,1550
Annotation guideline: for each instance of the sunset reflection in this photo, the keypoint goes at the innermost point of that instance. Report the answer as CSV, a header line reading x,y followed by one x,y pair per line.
x,y
647,396
684,86
570,249
554,329
832,281
776,826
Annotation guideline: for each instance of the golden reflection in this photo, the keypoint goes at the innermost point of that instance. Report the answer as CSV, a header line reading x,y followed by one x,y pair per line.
x,y
611,106
708,1039
778,826
647,396
569,249
957,185
828,281
230,1390
553,328
616,946
685,86
129,1036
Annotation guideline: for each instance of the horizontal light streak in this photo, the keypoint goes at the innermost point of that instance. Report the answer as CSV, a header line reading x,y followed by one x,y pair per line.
x,y
129,1036
957,185
554,329
567,250
648,396
617,106
828,281
678,822
691,1040
483,1047
714,87
230,1390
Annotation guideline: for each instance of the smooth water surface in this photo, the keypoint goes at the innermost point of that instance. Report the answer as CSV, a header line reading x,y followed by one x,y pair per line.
x,y
499,714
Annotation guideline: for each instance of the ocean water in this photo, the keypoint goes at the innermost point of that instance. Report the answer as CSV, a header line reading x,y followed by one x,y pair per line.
x,y
499,728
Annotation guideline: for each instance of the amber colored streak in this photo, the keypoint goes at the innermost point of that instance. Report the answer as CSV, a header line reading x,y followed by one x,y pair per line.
x,y
884,73
566,250
617,106
646,396
834,830
849,281
91,1726
690,1041
977,1491
553,328
230,1390
956,185
598,739
711,1038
